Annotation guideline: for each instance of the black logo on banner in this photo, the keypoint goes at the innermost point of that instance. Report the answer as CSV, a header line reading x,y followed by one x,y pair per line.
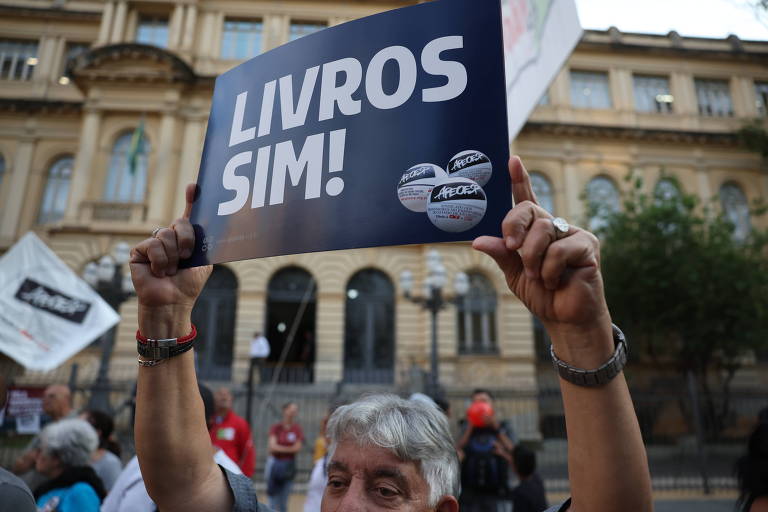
x,y
456,191
52,301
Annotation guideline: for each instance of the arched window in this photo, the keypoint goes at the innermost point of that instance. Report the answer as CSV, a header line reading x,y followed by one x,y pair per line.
x,y
214,317
604,199
477,317
290,329
543,190
369,328
126,184
736,210
56,191
666,190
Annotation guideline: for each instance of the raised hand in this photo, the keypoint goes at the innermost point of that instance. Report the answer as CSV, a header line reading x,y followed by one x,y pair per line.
x,y
557,278
154,264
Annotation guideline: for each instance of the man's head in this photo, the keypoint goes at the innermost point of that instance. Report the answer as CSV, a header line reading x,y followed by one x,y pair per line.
x,y
524,461
57,401
223,400
482,395
290,410
387,453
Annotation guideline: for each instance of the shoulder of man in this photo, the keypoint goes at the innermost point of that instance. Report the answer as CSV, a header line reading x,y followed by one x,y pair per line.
x,y
244,495
14,494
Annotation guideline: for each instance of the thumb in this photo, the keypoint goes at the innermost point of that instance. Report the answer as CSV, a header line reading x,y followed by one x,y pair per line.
x,y
190,194
508,261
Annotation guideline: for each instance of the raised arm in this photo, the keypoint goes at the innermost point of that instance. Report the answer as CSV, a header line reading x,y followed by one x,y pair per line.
x,y
559,281
172,441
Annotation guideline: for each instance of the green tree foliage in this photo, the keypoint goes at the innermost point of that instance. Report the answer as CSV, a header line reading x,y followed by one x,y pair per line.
x,y
684,290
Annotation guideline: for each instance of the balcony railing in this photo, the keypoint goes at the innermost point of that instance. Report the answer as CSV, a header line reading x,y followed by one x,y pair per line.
x,y
103,211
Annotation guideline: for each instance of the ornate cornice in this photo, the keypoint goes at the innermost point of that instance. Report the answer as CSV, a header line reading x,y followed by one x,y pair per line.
x,y
12,105
92,65
620,133
49,13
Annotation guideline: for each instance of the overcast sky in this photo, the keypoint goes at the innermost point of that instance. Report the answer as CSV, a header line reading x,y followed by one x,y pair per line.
x,y
701,18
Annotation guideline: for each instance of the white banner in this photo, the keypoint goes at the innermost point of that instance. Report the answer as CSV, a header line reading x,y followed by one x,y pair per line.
x,y
539,36
47,313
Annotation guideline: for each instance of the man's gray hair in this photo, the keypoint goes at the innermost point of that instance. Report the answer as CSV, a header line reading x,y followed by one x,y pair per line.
x,y
413,431
72,441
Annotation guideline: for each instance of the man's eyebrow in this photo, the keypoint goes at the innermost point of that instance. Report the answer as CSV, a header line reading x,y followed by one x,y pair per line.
x,y
339,466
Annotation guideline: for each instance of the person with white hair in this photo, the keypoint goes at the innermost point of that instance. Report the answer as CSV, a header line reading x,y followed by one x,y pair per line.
x,y
64,458
387,452
551,267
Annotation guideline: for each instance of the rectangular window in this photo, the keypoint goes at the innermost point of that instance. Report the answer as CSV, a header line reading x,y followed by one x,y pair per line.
x,y
714,97
590,89
74,50
652,94
241,39
17,59
761,91
303,28
152,30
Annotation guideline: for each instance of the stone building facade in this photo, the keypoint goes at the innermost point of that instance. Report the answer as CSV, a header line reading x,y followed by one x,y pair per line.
x,y
78,77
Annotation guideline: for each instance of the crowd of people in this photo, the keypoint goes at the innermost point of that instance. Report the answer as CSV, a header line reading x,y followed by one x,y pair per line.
x,y
380,452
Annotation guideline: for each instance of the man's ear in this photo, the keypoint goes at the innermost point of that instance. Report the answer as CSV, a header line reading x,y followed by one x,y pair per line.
x,y
447,504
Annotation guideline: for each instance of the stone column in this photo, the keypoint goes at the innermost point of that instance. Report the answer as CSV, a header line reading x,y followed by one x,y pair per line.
x,y
573,189
163,176
82,175
175,27
189,160
106,23
19,177
190,25
118,28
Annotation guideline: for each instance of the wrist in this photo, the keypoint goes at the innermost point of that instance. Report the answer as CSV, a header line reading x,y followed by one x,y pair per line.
x,y
162,322
584,346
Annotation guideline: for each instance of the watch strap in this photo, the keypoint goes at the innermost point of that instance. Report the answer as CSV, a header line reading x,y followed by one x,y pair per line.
x,y
155,349
601,375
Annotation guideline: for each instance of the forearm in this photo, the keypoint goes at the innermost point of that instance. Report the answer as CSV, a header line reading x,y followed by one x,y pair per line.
x,y
604,440
172,441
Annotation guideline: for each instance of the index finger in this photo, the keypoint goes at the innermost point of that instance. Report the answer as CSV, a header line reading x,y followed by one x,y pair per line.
x,y
190,192
521,182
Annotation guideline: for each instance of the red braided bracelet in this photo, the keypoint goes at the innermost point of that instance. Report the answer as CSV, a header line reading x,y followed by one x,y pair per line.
x,y
169,341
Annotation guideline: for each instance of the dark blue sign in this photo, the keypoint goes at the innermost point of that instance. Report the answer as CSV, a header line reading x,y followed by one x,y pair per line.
x,y
387,130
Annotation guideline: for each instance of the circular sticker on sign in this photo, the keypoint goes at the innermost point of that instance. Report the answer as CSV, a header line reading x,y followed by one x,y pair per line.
x,y
473,165
415,185
456,204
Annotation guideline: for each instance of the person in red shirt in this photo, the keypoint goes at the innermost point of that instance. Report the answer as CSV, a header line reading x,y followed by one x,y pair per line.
x,y
285,441
231,433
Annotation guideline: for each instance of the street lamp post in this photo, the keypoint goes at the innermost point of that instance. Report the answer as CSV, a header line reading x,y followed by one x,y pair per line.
x,y
433,301
115,287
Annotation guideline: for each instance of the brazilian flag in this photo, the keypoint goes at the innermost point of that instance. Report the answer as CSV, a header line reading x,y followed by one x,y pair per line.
x,y
137,147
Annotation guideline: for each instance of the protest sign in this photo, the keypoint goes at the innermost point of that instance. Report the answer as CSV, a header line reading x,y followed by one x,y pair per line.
x,y
539,35
47,313
386,130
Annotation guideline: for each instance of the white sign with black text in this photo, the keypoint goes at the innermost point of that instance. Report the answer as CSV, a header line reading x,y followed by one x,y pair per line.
x,y
47,313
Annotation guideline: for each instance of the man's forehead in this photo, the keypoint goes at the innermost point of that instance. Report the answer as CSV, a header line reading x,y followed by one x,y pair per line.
x,y
352,456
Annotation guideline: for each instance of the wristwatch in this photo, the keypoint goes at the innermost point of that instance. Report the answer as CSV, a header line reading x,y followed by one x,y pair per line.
x,y
600,376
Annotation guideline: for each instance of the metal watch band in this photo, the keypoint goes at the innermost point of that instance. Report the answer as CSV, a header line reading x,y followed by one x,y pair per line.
x,y
600,376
